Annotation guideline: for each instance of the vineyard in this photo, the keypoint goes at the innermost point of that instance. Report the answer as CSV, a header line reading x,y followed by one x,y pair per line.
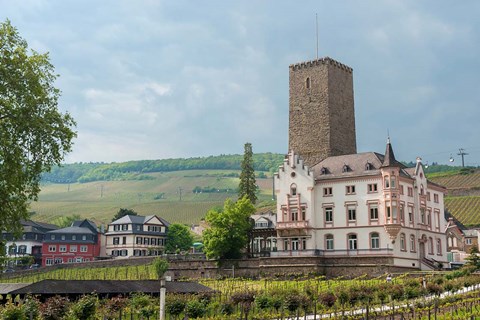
x,y
427,296
465,209
466,180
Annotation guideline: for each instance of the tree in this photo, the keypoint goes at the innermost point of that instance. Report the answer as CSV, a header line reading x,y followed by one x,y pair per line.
x,y
66,221
123,212
178,237
247,186
34,134
161,266
474,258
228,229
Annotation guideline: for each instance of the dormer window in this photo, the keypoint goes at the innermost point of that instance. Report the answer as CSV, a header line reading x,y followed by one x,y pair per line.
x,y
368,166
323,170
345,168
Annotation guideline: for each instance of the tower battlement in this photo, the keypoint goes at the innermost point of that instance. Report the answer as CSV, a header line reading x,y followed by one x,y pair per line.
x,y
317,62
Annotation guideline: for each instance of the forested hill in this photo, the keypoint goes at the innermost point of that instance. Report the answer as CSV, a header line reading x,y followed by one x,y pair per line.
x,y
137,170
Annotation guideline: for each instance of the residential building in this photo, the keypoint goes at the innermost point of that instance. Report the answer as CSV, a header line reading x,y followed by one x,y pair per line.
x,y
30,241
81,242
364,204
264,235
136,236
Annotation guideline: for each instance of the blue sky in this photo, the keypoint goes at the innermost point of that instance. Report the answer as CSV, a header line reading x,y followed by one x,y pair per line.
x,y
167,79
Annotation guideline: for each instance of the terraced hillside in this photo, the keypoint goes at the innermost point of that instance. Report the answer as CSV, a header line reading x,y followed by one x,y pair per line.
x,y
463,195
170,195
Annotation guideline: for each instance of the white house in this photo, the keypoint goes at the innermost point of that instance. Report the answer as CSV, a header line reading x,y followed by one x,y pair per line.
x,y
136,236
360,205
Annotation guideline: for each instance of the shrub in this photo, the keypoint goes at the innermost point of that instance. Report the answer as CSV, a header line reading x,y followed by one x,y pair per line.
x,y
263,301
327,299
175,305
54,308
292,301
12,311
195,309
31,307
85,307
226,309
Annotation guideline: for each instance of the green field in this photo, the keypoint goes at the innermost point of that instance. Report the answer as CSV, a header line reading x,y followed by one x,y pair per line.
x,y
169,195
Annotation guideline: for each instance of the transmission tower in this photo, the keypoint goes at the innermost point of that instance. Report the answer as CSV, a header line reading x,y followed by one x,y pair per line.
x,y
462,153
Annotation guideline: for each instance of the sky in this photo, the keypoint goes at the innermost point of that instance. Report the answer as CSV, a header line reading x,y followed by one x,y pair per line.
x,y
152,79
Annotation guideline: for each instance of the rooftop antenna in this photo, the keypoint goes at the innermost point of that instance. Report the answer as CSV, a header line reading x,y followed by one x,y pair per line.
x,y
316,29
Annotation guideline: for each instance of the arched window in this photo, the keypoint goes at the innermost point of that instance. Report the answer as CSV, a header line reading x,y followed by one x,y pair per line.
x,y
352,242
293,189
387,182
368,166
403,246
307,83
329,242
374,240
412,243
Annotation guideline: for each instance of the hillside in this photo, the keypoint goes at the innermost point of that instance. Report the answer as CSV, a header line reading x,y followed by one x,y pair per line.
x,y
463,194
170,195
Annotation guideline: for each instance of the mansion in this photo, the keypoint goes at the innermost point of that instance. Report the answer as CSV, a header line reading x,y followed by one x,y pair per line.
x,y
364,204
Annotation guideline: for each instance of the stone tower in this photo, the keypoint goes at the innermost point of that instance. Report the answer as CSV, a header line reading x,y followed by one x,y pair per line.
x,y
322,115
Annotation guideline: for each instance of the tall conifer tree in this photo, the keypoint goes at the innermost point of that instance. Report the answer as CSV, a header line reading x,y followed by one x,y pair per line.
x,y
247,186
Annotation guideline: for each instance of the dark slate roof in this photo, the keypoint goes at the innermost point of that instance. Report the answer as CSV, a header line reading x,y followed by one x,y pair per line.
x,y
72,230
389,159
138,220
66,287
85,224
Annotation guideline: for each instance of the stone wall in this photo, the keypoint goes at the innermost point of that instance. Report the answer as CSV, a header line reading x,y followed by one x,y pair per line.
x,y
331,267
321,113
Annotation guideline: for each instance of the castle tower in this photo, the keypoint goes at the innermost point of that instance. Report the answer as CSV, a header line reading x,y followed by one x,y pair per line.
x,y
321,115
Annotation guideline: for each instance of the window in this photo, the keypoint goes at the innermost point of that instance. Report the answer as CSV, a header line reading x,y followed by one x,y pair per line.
x,y
84,237
402,242
368,166
374,240
124,227
430,245
52,248
295,244
410,214
329,214
437,219
146,241
62,248
138,240
350,189
116,240
468,241
307,83
74,237
412,243
422,215
327,191
372,187
153,241
428,196
352,242
439,247
83,248
22,249
49,261
374,212
329,242
52,237
124,240
410,191
346,168
58,260
73,248
429,218
352,213
116,227
63,237
124,252
139,227
387,182
435,197
392,182
70,260
401,190
402,214
324,170
293,190
294,214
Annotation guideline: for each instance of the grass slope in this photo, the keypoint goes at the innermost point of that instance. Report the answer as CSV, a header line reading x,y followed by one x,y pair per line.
x,y
100,201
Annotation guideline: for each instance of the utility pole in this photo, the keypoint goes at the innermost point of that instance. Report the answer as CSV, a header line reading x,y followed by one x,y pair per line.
x,y
180,192
462,153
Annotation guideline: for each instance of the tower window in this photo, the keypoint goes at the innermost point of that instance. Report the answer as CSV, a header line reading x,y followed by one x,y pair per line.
x,y
307,83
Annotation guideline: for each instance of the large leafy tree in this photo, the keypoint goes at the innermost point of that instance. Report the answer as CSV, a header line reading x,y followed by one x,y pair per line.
x,y
248,185
178,238
34,134
228,230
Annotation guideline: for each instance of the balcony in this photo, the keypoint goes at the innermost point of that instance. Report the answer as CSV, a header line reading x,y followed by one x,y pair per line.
x,y
292,225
